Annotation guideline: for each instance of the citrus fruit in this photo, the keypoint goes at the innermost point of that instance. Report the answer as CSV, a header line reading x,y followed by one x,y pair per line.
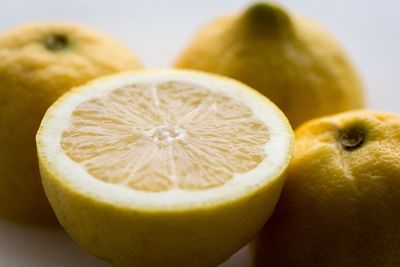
x,y
289,58
38,63
163,168
340,205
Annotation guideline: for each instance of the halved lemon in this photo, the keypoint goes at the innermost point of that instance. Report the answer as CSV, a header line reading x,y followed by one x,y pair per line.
x,y
163,168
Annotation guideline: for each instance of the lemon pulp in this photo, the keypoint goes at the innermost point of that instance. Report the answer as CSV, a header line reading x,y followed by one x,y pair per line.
x,y
172,134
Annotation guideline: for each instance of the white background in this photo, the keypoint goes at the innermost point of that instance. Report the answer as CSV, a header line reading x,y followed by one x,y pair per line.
x,y
156,31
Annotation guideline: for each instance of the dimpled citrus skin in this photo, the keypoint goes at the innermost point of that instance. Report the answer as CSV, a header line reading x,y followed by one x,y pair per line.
x,y
199,237
289,58
33,75
339,207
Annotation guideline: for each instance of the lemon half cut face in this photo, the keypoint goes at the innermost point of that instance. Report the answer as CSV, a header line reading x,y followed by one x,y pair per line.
x,y
160,148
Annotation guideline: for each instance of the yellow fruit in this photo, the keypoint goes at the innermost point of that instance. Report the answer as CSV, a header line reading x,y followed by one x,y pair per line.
x,y
39,62
340,205
289,58
163,168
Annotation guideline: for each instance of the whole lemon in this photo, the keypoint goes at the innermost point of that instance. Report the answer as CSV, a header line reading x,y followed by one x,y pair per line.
x,y
39,62
340,205
289,58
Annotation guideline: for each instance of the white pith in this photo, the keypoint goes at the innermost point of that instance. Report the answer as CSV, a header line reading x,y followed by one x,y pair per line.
x,y
277,149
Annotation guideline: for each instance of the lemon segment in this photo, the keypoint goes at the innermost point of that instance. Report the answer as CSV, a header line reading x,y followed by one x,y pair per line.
x,y
188,161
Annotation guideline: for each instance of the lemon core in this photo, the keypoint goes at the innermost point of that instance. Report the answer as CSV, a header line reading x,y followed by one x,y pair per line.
x,y
352,138
56,42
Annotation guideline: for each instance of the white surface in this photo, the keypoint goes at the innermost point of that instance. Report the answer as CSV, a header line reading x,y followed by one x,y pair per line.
x,y
157,31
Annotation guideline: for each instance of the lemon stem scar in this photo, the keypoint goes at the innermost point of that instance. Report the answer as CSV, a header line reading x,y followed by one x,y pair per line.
x,y
56,42
352,138
266,17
